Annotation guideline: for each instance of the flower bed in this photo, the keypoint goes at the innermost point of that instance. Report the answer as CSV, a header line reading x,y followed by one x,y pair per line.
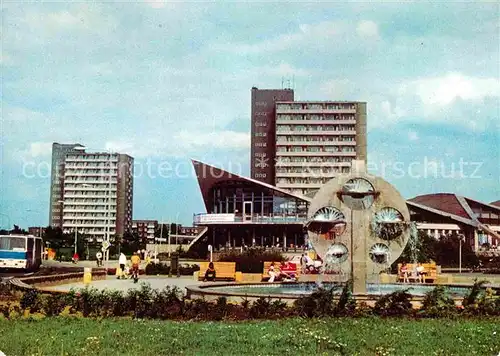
x,y
170,303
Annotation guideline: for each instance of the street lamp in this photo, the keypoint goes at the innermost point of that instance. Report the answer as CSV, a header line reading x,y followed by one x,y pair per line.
x,y
176,228
461,238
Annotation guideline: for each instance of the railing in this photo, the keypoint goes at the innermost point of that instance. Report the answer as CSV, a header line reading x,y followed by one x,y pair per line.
x,y
199,219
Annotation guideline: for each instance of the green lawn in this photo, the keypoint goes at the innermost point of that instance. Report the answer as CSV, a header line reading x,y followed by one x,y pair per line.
x,y
370,336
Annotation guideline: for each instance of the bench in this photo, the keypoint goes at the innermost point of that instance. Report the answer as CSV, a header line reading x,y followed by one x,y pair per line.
x,y
429,268
223,270
267,264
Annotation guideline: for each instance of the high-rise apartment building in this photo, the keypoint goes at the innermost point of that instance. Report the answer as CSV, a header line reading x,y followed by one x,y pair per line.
x,y
263,131
317,140
59,152
145,229
97,194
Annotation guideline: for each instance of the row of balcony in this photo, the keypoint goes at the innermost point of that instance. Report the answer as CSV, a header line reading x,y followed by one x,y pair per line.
x,y
301,110
352,154
98,193
315,105
89,180
282,121
91,172
81,223
288,132
315,143
69,203
91,158
303,174
316,149
88,210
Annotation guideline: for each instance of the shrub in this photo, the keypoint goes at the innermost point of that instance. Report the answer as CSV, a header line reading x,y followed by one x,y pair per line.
x,y
54,304
438,303
346,304
474,293
157,268
265,308
470,302
490,264
197,309
168,304
160,268
30,300
251,260
318,304
394,304
5,291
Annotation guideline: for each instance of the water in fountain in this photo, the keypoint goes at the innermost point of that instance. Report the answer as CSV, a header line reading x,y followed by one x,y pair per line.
x,y
414,243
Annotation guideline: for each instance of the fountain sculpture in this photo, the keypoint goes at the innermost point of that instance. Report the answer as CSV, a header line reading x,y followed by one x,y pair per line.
x,y
358,223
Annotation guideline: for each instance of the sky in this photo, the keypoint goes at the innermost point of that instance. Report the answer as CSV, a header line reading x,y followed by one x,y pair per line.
x,y
168,81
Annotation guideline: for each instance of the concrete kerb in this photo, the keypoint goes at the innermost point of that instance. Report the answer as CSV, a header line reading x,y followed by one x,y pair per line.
x,y
38,282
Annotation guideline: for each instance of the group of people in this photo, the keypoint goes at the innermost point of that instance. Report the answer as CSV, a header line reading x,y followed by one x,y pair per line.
x,y
284,272
125,270
419,273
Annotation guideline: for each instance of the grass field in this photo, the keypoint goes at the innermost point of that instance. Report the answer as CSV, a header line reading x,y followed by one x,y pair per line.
x,y
369,336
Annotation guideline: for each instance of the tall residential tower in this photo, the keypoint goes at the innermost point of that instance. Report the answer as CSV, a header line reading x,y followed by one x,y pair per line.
x,y
317,140
97,194
263,146
59,152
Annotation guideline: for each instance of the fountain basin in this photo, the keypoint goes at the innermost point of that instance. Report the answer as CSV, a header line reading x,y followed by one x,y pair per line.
x,y
289,292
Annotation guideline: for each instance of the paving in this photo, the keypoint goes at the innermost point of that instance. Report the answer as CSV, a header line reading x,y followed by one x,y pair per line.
x,y
112,283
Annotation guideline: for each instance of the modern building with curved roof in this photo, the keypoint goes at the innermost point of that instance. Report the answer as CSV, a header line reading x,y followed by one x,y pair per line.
x,y
242,211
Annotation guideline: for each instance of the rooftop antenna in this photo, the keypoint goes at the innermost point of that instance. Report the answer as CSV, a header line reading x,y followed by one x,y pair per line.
x,y
286,83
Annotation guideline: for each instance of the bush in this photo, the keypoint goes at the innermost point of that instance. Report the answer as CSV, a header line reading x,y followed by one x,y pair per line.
x,y
160,268
490,264
30,301
394,304
438,303
5,291
318,304
264,308
488,303
251,260
346,304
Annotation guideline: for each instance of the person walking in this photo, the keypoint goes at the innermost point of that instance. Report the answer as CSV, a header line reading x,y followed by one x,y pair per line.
x,y
303,264
122,261
135,260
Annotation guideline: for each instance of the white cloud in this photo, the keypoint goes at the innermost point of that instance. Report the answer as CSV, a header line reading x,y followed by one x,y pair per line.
x,y
412,135
442,91
156,4
339,89
5,59
180,144
305,35
283,70
40,149
222,139
367,29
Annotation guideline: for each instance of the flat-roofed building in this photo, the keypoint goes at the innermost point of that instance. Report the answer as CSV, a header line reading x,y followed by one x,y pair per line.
x,y
317,140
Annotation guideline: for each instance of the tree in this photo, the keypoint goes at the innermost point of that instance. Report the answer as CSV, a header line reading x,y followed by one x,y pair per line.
x,y
447,252
55,238
164,232
18,231
131,242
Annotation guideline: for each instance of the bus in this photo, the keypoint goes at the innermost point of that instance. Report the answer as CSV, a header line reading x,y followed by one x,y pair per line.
x,y
23,252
